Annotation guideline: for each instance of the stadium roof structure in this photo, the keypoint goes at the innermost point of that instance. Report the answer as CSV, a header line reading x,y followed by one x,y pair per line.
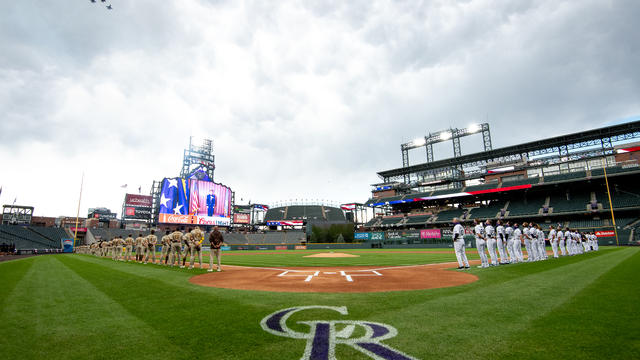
x,y
566,148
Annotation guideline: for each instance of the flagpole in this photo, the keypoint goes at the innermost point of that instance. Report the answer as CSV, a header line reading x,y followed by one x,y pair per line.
x,y
606,181
75,233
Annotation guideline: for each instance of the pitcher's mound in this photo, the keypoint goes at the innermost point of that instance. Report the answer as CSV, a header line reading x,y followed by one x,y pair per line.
x,y
331,255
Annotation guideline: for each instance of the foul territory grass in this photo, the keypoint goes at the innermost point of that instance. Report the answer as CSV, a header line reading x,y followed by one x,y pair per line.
x,y
79,307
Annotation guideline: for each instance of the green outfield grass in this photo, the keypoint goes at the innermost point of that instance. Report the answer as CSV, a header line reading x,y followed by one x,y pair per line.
x,y
79,307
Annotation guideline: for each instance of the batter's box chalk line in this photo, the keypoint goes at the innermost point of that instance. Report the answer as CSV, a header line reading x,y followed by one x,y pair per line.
x,y
310,274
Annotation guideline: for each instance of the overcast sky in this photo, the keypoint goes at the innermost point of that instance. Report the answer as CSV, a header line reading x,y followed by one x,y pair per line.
x,y
303,99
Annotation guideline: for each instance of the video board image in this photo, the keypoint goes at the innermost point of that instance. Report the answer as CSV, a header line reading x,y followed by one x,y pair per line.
x,y
197,202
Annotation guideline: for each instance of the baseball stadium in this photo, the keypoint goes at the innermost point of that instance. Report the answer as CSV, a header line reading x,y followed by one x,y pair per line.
x,y
526,251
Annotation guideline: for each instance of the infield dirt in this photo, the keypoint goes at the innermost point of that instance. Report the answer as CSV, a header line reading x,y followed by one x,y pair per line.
x,y
346,279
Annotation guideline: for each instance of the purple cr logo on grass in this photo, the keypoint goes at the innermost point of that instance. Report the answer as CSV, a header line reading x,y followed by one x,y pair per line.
x,y
324,335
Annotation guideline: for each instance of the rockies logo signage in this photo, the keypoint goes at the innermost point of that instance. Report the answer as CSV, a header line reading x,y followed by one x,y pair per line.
x,y
323,335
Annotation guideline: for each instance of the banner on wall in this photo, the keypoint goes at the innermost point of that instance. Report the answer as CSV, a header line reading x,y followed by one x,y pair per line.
x,y
430,234
403,235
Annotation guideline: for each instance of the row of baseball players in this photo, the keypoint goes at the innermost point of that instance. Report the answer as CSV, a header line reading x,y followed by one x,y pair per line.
x,y
174,244
508,239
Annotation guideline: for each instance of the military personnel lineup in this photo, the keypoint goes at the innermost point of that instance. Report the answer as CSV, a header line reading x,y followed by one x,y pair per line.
x,y
176,248
504,242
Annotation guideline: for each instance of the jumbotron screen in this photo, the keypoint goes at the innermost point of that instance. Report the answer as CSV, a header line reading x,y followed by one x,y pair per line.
x,y
190,201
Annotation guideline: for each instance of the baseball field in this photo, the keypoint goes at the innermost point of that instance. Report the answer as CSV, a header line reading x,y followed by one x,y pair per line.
x,y
80,307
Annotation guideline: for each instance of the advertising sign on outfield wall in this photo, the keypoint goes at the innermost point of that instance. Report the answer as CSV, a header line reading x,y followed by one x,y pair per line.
x,y
403,235
430,234
301,247
377,235
240,218
606,233
281,247
362,236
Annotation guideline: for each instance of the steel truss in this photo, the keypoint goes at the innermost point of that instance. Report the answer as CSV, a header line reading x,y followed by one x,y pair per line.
x,y
578,146
445,135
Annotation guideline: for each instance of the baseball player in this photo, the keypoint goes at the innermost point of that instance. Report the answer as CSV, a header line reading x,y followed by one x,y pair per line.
x,y
119,244
151,240
215,241
128,247
166,248
527,241
197,237
502,242
490,236
517,243
176,247
540,244
481,243
560,235
595,241
186,240
508,233
553,240
139,248
459,245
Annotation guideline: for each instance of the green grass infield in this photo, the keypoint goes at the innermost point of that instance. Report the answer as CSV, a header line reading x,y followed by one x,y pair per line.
x,y
83,307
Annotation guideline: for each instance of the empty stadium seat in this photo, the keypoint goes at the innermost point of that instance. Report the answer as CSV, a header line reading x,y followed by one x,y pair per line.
x,y
577,202
529,207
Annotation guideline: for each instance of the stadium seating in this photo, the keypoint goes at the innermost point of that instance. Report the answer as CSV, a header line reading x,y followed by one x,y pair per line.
x,y
334,214
486,212
275,214
267,238
373,222
420,219
446,191
533,180
25,238
492,185
391,221
305,212
565,176
619,199
529,207
587,224
448,215
578,202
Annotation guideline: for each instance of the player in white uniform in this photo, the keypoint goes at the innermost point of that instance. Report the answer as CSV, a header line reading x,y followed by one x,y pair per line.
x,y
595,242
501,242
517,243
560,236
581,242
526,233
553,240
490,237
459,245
542,248
508,233
481,243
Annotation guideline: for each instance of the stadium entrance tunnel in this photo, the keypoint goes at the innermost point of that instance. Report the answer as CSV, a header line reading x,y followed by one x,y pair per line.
x,y
346,279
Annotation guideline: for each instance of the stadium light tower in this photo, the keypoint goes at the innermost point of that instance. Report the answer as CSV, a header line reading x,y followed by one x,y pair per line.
x,y
198,156
445,135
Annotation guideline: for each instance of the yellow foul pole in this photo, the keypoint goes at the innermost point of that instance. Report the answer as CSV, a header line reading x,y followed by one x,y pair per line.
x,y
75,233
613,219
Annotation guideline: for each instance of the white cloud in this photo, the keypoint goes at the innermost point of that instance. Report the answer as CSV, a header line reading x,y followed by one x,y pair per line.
x,y
303,100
